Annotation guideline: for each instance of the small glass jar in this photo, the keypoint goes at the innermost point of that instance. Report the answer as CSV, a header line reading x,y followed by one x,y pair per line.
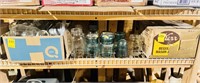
x,y
92,47
121,48
107,44
78,42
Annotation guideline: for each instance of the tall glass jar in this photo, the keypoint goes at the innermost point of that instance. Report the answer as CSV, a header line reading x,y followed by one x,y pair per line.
x,y
78,42
107,44
92,46
121,48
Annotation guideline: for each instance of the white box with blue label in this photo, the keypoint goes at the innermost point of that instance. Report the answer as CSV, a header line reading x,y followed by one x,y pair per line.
x,y
191,3
36,49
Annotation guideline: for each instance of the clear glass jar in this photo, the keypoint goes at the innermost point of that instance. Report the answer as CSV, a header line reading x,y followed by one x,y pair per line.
x,y
107,44
78,42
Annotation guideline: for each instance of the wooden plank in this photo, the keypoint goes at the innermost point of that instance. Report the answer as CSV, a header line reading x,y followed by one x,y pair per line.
x,y
23,72
113,26
128,26
81,75
197,24
87,9
96,17
122,75
186,75
194,22
101,75
139,74
195,67
102,26
109,75
3,76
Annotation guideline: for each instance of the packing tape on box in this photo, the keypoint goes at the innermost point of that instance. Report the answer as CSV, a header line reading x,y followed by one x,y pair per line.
x,y
37,57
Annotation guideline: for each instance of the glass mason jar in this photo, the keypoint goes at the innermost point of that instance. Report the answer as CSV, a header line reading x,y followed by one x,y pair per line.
x,y
78,42
92,46
107,44
121,48
23,30
17,30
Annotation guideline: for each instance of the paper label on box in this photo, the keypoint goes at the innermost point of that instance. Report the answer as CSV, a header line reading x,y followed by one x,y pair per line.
x,y
184,2
25,0
161,37
163,42
11,43
136,0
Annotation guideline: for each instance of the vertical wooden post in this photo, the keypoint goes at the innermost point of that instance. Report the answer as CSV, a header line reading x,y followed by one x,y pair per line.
x,y
194,22
186,75
128,26
113,26
101,75
109,75
102,72
195,67
23,72
102,26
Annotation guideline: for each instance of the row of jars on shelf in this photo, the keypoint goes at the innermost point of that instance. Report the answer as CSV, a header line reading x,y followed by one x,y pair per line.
x,y
108,44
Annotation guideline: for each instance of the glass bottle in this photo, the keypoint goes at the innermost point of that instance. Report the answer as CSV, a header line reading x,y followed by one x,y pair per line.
x,y
78,42
121,48
107,44
92,46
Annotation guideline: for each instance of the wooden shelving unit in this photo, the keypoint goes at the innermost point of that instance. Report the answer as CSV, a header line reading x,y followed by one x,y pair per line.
x,y
105,13
98,13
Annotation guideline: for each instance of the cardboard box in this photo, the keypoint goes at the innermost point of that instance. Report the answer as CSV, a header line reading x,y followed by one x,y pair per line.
x,y
68,43
192,3
20,2
67,2
3,29
140,26
121,2
37,49
170,42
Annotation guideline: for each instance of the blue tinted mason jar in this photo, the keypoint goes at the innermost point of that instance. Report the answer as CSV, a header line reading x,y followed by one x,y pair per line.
x,y
107,44
92,43
121,48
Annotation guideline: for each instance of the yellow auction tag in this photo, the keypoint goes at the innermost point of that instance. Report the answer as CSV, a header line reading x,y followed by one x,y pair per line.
x,y
161,37
11,43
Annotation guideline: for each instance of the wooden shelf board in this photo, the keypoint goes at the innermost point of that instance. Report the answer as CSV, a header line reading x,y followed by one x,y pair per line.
x,y
101,63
